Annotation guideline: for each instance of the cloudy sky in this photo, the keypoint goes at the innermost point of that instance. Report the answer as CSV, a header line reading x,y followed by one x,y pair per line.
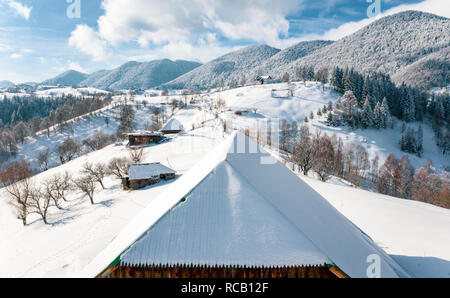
x,y
42,38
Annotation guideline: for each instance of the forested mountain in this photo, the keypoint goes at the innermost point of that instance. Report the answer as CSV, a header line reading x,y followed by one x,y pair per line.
x,y
6,84
68,78
397,45
139,75
230,68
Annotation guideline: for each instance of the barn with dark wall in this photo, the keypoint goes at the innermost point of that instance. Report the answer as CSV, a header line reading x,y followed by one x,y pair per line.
x,y
144,138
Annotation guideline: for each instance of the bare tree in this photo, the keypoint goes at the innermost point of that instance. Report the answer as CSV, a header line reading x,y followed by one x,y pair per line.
x,y
40,203
86,185
119,167
68,150
97,172
136,155
324,156
17,182
43,159
303,153
57,187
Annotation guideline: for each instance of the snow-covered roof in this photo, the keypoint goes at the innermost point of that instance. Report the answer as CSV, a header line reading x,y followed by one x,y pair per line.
x,y
224,221
146,171
172,125
142,133
299,209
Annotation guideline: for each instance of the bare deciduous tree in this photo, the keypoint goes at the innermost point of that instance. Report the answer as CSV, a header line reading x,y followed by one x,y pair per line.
x,y
119,167
57,187
43,159
137,155
86,185
68,150
97,172
39,203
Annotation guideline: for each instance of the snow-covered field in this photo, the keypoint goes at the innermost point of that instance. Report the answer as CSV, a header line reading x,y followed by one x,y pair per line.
x,y
79,232
414,233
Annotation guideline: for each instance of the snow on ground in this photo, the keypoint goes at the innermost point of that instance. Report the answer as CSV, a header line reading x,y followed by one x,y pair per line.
x,y
76,92
415,234
81,231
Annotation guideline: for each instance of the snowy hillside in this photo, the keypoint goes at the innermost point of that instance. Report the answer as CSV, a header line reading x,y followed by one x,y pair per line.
x,y
415,234
68,78
76,92
139,75
387,45
229,68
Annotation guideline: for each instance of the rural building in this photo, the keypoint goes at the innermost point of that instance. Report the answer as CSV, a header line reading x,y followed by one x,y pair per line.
x,y
142,175
172,127
240,214
264,79
144,138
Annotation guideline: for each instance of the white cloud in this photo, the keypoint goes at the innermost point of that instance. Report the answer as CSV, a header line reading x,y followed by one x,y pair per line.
x,y
15,56
87,41
159,22
20,9
75,66
438,7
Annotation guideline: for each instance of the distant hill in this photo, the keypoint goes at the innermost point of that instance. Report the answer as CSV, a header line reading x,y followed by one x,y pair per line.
x,y
68,78
140,75
229,68
6,84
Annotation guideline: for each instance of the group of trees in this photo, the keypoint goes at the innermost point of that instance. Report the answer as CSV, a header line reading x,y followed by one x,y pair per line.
x,y
372,100
347,111
29,197
328,156
27,119
411,140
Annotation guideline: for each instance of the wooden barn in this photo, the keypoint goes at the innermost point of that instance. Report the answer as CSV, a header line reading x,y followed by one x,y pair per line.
x,y
144,138
172,127
264,79
239,214
142,175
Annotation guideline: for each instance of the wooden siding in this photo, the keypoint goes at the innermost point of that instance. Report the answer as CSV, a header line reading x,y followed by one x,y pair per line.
x,y
219,272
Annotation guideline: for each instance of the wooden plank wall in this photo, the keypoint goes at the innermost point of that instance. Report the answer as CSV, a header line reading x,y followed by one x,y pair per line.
x,y
218,272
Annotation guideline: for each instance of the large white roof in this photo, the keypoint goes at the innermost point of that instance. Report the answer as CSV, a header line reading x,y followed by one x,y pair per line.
x,y
328,235
224,221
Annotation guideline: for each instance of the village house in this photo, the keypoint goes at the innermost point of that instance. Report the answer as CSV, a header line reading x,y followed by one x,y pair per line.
x,y
239,214
144,138
264,79
142,175
172,127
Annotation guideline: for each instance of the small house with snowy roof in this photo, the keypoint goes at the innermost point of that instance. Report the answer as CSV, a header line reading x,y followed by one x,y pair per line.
x,y
172,127
142,175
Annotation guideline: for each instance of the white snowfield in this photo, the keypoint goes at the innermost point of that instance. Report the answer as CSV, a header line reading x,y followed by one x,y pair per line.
x,y
415,235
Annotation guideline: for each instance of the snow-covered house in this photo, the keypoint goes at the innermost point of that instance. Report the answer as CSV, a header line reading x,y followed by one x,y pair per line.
x,y
264,79
142,175
241,213
172,127
144,138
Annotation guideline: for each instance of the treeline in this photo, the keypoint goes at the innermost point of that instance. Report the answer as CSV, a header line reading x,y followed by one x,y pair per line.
x,y
328,156
69,108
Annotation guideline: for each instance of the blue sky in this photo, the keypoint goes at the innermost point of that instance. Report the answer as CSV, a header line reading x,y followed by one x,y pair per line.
x,y
38,40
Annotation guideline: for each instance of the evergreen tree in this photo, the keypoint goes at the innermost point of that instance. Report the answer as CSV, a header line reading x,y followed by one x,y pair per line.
x,y
367,114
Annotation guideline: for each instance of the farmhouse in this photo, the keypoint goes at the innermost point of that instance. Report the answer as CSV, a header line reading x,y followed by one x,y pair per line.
x,y
264,79
240,214
172,127
144,138
142,175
